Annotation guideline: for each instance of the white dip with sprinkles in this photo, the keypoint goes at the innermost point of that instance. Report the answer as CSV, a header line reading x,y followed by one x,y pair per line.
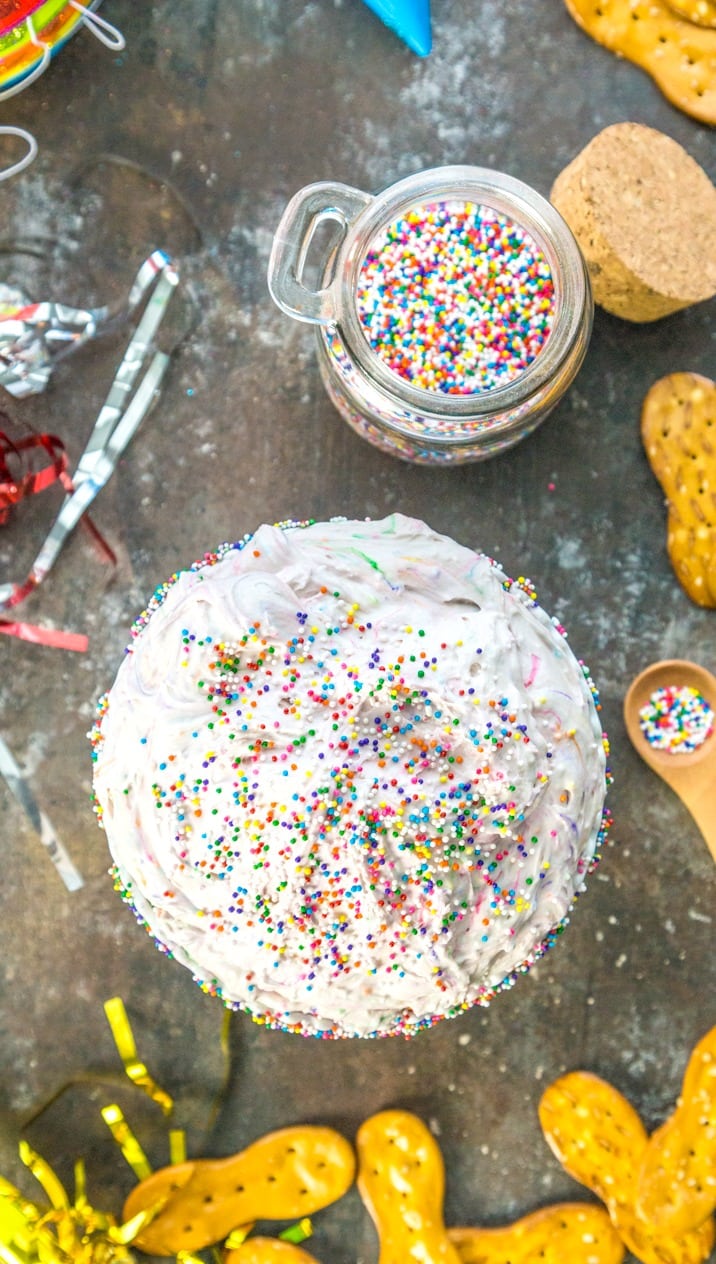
x,y
351,776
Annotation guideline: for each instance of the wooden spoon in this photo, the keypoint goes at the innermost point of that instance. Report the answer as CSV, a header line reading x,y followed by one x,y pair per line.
x,y
691,775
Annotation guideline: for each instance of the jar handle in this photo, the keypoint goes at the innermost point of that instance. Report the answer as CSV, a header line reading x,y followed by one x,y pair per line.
x,y
310,207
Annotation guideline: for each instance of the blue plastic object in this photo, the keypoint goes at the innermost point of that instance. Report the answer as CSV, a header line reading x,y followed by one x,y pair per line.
x,y
410,19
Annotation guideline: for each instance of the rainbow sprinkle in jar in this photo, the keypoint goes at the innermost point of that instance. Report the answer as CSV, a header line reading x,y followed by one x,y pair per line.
x,y
455,309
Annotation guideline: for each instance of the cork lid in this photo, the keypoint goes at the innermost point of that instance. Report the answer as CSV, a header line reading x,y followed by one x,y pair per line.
x,y
654,206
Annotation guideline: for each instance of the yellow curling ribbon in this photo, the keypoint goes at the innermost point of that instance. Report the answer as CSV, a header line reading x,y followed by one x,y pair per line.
x,y
127,1232
127,1049
177,1146
63,1234
44,1175
298,1232
80,1183
15,1216
76,1233
126,1141
238,1236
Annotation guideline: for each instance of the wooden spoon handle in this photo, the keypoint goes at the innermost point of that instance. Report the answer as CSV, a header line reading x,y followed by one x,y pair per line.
x,y
702,806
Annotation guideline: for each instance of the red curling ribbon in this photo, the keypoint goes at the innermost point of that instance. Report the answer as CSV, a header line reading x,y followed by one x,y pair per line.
x,y
13,490
54,637
102,545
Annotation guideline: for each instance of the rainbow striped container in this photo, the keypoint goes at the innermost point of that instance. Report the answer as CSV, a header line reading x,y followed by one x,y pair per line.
x,y
33,31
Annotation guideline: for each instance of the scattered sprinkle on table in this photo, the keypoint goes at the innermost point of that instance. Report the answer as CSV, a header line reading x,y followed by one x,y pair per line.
x,y
456,298
676,719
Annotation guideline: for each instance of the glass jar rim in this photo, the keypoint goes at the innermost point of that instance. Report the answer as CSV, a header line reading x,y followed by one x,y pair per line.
x,y
507,196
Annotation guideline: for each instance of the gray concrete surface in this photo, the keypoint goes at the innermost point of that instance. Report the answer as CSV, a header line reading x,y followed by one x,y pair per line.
x,y
232,105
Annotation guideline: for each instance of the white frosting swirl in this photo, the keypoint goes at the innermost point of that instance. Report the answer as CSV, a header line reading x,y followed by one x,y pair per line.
x,y
350,775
